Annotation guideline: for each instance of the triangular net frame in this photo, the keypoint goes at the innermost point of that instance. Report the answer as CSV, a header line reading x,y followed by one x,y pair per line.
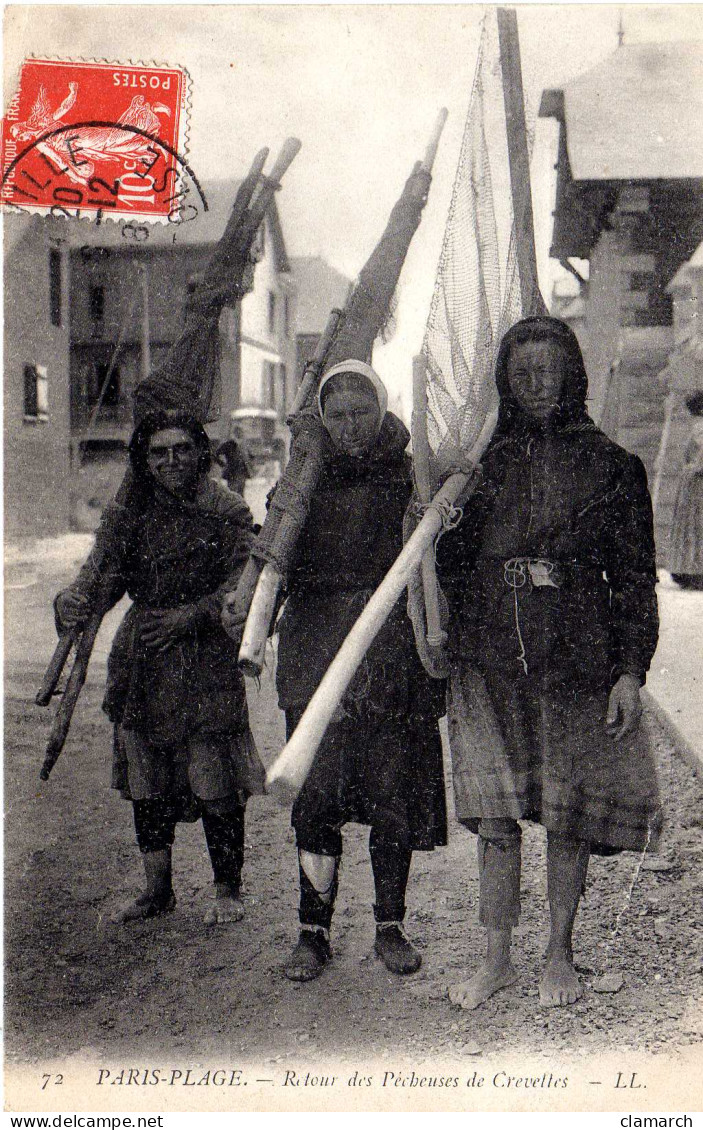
x,y
477,293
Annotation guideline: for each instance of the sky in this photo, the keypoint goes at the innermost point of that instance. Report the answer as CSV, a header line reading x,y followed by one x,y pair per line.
x,y
360,85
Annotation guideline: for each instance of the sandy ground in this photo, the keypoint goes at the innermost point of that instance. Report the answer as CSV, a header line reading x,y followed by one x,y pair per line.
x,y
77,985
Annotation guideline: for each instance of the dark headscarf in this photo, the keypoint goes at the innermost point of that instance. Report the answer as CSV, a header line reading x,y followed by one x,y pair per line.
x,y
160,421
571,410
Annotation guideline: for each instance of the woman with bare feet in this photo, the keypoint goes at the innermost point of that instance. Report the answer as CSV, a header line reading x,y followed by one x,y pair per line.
x,y
551,579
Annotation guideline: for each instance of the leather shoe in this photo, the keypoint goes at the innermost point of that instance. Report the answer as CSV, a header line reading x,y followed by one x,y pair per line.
x,y
395,951
309,957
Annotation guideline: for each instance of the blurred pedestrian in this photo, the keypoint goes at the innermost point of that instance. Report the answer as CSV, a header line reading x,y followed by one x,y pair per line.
x,y
686,544
232,460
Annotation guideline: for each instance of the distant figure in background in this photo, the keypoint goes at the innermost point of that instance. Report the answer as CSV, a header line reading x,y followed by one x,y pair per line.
x,y
686,546
231,458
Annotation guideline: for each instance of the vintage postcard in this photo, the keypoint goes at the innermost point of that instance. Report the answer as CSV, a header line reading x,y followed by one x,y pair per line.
x,y
257,245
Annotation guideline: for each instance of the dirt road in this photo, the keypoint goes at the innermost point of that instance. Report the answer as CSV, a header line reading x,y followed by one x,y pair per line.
x,y
74,980
78,985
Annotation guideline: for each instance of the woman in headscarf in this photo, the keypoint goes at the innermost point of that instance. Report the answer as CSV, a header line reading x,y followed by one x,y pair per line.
x,y
686,543
551,578
380,762
183,747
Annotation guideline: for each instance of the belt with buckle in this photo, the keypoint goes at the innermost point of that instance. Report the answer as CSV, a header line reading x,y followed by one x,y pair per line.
x,y
518,571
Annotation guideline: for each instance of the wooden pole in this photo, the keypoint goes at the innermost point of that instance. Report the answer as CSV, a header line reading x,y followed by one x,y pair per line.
x,y
55,669
271,182
433,144
62,718
516,126
287,775
310,379
436,636
258,623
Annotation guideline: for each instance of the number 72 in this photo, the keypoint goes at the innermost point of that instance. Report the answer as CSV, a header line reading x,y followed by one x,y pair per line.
x,y
58,1079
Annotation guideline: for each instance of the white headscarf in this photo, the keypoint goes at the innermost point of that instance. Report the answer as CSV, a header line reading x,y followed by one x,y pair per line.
x,y
353,366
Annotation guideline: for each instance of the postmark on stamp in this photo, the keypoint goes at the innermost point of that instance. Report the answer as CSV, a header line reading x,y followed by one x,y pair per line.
x,y
98,139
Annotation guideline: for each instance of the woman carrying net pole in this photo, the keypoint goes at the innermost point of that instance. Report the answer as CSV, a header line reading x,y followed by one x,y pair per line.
x,y
182,744
551,579
380,762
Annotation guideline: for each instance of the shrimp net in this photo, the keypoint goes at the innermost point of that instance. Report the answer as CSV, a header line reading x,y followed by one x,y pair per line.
x,y
477,293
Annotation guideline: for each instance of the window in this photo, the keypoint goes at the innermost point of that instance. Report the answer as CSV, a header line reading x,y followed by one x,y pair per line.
x,y
657,313
272,312
280,403
269,379
633,198
641,280
111,395
97,303
55,286
36,393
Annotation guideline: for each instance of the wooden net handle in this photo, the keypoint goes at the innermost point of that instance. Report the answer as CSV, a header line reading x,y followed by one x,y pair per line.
x,y
433,143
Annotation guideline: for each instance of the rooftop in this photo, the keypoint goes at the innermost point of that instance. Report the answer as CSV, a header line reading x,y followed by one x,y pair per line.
x,y
682,278
638,115
205,229
320,288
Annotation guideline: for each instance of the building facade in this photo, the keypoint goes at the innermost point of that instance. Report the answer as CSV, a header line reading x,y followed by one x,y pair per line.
x,y
629,200
37,466
122,309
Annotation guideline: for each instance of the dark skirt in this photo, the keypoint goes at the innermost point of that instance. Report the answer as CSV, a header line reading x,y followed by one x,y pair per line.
x,y
526,752
377,770
207,767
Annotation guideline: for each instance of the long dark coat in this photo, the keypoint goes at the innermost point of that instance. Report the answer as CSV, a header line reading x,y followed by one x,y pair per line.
x,y
351,538
551,578
167,554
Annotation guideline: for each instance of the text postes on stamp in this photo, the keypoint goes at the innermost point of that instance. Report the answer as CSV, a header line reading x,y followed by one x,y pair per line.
x,y
96,138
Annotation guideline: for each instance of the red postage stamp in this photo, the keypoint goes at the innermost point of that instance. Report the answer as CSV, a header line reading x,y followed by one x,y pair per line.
x,y
96,138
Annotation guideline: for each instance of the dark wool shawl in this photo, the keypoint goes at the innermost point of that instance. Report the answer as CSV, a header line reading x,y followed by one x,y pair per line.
x,y
566,493
166,554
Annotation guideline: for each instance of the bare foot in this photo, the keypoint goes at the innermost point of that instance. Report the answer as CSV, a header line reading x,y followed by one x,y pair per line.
x,y
560,983
144,906
484,983
226,908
